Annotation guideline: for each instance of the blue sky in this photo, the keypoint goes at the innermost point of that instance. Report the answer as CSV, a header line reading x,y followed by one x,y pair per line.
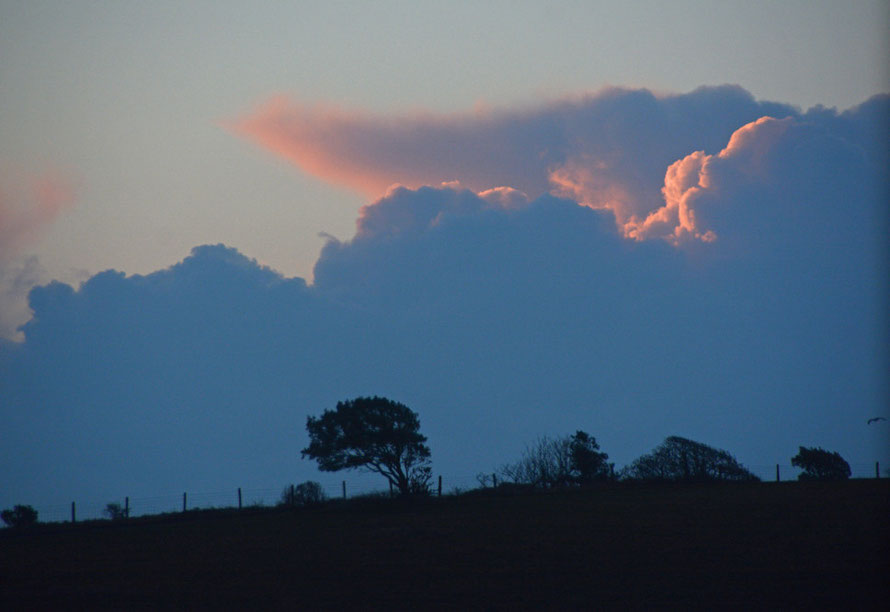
x,y
742,253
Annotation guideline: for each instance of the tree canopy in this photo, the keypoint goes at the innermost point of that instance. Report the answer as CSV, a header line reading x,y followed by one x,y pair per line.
x,y
19,516
680,459
820,464
374,434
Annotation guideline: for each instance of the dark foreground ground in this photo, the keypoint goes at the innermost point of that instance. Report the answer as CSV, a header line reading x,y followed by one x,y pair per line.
x,y
748,546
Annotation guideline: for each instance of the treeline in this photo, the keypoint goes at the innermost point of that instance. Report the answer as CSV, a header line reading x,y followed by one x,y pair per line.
x,y
378,435
577,460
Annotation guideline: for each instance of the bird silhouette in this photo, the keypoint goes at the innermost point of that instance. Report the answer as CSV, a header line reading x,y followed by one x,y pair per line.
x,y
874,420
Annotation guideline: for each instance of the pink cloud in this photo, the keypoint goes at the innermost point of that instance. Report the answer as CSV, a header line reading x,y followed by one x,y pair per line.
x,y
28,204
368,153
505,197
630,135
606,150
589,182
671,167
312,138
698,178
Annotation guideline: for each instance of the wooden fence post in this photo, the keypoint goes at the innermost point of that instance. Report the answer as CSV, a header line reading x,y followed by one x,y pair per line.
x,y
344,489
239,498
292,500
390,489
877,469
440,485
494,481
183,502
777,473
73,513
126,507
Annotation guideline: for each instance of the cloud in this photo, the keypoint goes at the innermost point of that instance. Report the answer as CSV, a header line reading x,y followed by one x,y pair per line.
x,y
689,179
505,197
646,158
608,149
499,316
16,280
28,204
401,211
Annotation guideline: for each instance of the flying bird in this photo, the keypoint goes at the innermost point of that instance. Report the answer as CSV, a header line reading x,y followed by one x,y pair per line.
x,y
874,419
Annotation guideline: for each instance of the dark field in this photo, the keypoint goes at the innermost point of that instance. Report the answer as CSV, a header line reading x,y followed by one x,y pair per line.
x,y
745,546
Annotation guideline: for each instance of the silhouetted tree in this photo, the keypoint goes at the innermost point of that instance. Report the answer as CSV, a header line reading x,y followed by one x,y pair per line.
x,y
304,494
557,462
19,516
375,434
679,459
820,464
588,464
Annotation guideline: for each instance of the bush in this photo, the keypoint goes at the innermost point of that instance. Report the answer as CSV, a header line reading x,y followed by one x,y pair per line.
x,y
304,494
19,516
819,464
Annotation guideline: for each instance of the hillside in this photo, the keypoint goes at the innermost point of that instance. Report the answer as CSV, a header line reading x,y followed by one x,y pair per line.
x,y
747,546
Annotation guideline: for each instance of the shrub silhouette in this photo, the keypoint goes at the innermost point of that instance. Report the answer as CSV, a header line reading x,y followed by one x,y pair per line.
x,y
374,434
559,462
304,494
679,459
19,516
820,464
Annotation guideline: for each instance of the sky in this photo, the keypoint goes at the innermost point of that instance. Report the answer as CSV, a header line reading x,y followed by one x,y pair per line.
x,y
520,219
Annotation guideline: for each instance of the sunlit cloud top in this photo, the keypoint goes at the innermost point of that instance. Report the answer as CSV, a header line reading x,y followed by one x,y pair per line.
x,y
649,159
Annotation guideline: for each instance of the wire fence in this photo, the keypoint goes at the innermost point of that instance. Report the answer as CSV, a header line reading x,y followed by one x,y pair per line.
x,y
358,485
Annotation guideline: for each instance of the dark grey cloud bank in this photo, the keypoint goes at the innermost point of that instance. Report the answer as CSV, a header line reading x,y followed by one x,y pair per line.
x,y
498,323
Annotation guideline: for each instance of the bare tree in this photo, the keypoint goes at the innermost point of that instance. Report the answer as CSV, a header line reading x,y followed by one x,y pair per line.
x,y
559,462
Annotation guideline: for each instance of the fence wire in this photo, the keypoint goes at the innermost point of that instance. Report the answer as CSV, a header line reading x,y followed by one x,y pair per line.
x,y
357,485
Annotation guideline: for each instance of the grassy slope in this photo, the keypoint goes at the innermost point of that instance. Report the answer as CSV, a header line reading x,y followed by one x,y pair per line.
x,y
749,546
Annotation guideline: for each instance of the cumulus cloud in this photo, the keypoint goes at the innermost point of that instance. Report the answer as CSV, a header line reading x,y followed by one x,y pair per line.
x,y
499,316
401,211
646,158
686,181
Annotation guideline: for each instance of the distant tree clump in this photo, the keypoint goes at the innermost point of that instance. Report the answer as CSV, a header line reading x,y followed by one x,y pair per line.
x,y
559,462
374,434
820,464
115,511
304,494
19,516
679,459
